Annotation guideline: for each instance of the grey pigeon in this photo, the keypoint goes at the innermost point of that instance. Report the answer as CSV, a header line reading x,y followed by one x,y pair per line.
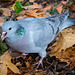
x,y
32,35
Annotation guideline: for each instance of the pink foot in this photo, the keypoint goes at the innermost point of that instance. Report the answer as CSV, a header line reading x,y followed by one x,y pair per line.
x,y
39,63
22,54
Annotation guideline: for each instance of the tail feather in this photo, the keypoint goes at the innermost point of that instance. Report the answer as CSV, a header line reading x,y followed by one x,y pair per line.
x,y
72,20
68,22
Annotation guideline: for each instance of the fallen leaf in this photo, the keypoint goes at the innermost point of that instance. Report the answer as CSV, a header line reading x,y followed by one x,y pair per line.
x,y
38,73
18,64
59,9
18,7
6,11
35,3
5,0
3,69
63,48
31,0
34,14
33,7
72,7
2,20
30,58
65,60
20,17
64,2
5,61
20,0
72,65
47,7
27,64
22,13
69,52
62,54
66,40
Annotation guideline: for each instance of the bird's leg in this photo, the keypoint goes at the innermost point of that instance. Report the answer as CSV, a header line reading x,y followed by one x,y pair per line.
x,y
39,63
42,54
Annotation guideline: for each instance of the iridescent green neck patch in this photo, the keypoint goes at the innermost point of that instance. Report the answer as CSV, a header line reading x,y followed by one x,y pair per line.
x,y
20,32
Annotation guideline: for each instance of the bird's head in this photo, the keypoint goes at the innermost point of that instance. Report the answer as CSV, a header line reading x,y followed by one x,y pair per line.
x,y
9,28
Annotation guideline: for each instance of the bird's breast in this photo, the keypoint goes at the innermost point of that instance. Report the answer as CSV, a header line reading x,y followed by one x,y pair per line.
x,y
22,44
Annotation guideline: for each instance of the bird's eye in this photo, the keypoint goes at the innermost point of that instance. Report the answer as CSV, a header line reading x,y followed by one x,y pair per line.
x,y
10,28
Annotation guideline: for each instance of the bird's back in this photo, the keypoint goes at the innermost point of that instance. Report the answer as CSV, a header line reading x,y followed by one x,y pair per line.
x,y
39,32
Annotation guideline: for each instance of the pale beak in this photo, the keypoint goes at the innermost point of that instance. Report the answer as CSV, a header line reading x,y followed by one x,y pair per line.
x,y
3,36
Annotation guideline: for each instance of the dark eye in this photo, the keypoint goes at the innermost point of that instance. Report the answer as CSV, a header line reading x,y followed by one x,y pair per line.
x,y
10,28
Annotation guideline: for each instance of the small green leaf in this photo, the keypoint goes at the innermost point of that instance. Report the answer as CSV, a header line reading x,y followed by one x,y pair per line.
x,y
55,4
50,11
69,3
26,4
54,11
18,7
3,47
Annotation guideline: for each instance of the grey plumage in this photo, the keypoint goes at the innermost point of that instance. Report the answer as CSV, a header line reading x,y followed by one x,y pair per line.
x,y
32,35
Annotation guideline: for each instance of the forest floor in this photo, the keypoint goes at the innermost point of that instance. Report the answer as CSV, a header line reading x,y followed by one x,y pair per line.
x,y
60,59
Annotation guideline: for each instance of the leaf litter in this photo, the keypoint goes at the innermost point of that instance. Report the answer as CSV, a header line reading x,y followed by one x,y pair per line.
x,y
60,57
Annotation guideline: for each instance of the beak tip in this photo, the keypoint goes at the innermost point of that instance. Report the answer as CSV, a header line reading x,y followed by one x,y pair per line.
x,y
2,38
3,35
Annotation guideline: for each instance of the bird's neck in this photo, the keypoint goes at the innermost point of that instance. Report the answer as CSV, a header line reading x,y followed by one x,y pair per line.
x,y
20,32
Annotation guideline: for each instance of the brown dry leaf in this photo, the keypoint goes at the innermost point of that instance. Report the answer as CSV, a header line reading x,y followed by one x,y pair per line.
x,y
20,17
38,73
72,65
66,40
69,52
35,3
18,64
64,2
5,59
73,28
48,7
22,13
18,0
59,9
6,11
28,16
64,50
31,0
3,69
30,58
33,7
5,0
62,54
72,7
27,64
2,20
65,60
34,14
21,0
